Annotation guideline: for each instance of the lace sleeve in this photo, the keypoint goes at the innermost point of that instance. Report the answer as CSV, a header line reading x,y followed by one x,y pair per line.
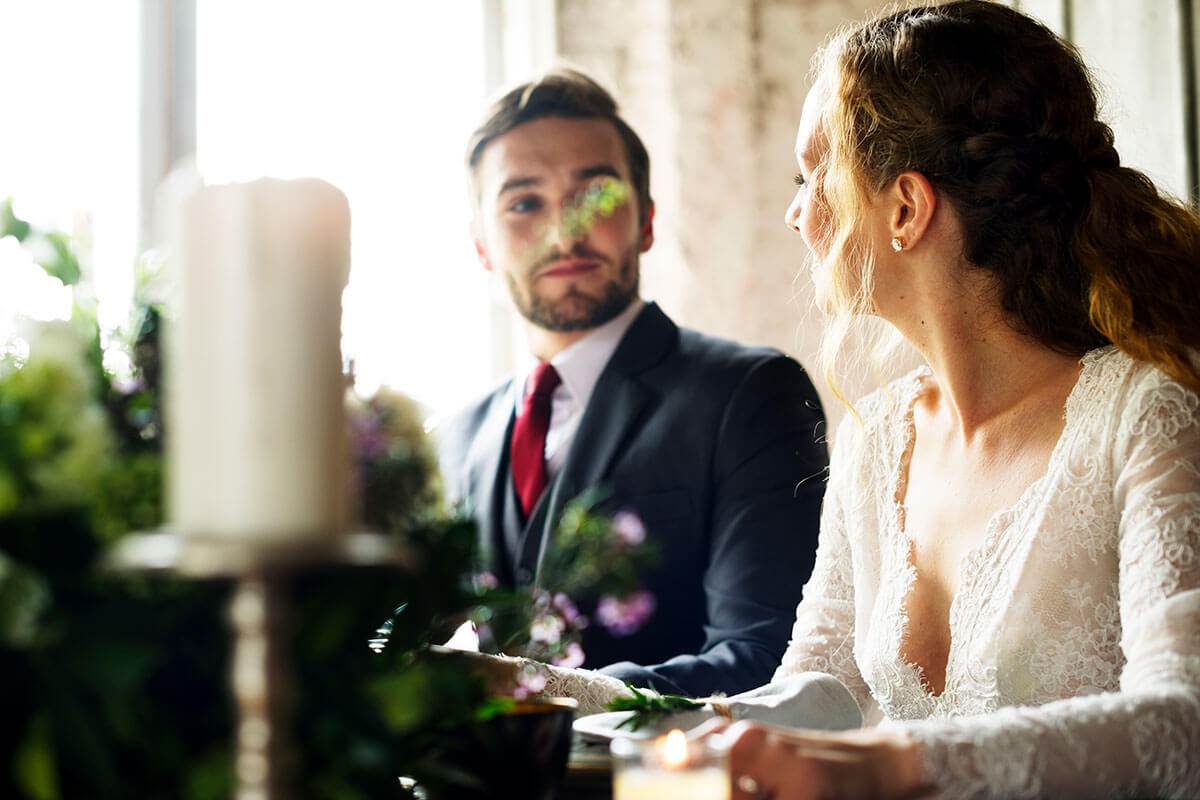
x,y
823,633
592,690
1144,739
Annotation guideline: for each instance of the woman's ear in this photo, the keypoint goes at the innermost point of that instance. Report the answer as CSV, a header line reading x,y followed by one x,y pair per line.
x,y
913,202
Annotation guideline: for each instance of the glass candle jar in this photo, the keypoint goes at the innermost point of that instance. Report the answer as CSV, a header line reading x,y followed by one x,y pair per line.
x,y
670,766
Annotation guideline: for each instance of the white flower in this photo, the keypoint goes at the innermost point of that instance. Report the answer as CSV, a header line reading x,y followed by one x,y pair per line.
x,y
27,292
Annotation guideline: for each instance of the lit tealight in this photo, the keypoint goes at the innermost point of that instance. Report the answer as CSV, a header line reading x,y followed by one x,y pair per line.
x,y
670,766
673,750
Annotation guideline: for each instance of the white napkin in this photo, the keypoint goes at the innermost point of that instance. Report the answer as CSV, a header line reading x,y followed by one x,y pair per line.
x,y
812,700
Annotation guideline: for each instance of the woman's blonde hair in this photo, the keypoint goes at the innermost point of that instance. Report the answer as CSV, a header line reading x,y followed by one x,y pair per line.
x,y
1000,115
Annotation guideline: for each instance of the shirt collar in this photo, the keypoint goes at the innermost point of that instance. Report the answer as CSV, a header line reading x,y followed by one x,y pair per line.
x,y
580,365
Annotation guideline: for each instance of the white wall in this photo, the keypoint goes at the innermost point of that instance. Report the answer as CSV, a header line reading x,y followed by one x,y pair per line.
x,y
715,88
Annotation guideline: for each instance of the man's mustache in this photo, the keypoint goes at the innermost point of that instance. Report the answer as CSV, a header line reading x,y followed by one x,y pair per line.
x,y
578,251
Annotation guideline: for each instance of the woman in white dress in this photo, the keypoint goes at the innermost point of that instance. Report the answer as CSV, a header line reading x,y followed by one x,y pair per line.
x,y
1008,577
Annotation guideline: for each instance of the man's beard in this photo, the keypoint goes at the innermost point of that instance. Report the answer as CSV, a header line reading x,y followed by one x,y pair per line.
x,y
576,311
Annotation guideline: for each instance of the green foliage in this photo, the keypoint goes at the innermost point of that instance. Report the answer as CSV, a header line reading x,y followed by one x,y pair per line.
x,y
54,436
51,250
600,199
649,706
395,465
24,598
588,559
57,258
129,496
116,685
10,224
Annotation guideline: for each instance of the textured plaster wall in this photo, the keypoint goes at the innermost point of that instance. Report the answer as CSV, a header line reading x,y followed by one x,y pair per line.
x,y
715,88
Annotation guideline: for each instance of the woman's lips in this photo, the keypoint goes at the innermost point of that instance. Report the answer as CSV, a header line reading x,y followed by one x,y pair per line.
x,y
569,269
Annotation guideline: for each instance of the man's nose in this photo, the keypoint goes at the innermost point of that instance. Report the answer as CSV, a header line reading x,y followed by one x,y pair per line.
x,y
565,229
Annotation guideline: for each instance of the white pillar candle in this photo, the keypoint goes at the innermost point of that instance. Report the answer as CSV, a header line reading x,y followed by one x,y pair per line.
x,y
670,766
255,430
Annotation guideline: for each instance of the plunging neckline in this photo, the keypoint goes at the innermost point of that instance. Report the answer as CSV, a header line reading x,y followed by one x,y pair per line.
x,y
998,522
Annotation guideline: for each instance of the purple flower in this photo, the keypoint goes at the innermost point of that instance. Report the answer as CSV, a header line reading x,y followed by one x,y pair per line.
x,y
486,580
571,657
127,385
547,629
623,617
530,682
370,440
566,609
629,528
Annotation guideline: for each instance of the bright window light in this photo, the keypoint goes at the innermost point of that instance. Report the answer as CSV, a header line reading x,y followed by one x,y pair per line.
x,y
378,99
69,150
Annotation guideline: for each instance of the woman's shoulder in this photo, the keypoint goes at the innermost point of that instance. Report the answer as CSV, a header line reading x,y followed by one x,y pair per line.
x,y
1142,399
1135,385
881,417
1154,403
893,401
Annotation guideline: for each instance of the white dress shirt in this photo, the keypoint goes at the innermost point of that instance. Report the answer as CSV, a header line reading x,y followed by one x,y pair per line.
x,y
579,366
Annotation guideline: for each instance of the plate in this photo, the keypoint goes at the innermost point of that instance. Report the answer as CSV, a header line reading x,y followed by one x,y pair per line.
x,y
603,727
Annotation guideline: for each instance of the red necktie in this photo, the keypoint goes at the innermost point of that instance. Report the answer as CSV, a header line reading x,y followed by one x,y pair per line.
x,y
528,454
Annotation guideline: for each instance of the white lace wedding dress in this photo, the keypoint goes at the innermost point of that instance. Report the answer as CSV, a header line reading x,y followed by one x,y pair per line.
x,y
1074,668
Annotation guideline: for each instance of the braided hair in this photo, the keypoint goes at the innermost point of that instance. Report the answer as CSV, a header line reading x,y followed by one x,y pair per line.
x,y
1001,116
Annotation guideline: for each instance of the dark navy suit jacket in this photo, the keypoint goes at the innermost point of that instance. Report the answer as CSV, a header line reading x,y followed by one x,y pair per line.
x,y
720,449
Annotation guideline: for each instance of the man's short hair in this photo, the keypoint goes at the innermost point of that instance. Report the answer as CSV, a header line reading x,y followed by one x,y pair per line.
x,y
567,93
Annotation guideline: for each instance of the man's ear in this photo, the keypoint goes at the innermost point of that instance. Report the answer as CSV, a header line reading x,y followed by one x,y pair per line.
x,y
647,230
481,252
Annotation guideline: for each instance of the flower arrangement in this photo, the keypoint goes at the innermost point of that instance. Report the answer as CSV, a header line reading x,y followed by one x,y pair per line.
x,y
597,558
394,469
117,684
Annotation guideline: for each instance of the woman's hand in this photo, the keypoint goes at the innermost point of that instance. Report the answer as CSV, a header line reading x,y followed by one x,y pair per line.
x,y
782,764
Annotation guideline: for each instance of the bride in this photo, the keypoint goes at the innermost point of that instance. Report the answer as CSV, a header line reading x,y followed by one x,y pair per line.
x,y
1008,577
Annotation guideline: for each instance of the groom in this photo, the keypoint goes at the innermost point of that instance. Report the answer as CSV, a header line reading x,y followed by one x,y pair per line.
x,y
716,446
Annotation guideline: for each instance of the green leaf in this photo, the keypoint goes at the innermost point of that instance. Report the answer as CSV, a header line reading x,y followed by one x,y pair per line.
x,y
494,707
24,598
404,697
11,224
34,763
59,259
648,706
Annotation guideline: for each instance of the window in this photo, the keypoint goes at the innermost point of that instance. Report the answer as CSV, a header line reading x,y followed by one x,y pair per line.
x,y
378,99
69,149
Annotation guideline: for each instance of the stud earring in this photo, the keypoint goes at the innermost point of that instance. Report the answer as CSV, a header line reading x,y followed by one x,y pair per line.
x,y
897,244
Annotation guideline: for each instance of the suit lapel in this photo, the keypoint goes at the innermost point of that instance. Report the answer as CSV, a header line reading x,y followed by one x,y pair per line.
x,y
616,410
487,464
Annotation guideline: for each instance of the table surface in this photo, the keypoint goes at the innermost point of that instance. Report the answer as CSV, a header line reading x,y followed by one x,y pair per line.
x,y
589,772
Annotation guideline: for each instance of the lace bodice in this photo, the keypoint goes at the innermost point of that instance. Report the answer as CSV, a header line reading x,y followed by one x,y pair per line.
x,y
1074,666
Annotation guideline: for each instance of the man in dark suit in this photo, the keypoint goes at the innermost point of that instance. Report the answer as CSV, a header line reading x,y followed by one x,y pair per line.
x,y
716,446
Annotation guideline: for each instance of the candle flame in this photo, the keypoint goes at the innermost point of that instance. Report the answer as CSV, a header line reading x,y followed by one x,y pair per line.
x,y
674,750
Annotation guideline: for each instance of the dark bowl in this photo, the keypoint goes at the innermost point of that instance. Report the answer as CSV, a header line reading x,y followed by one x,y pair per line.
x,y
520,753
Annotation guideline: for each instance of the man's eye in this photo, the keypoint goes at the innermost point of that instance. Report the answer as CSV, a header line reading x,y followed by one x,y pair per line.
x,y
799,180
526,205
